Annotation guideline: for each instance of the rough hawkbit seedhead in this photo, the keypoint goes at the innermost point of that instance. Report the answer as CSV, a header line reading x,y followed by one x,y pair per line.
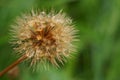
x,y
44,37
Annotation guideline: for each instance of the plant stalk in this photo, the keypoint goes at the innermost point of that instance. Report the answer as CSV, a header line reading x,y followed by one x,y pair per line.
x,y
18,61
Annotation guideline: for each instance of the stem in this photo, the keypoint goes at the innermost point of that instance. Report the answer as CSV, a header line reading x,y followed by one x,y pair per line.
x,y
13,65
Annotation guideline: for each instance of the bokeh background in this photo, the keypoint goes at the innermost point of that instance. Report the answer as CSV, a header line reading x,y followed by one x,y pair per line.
x,y
98,53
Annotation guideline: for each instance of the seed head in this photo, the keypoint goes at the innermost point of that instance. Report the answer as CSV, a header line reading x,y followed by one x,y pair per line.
x,y
44,37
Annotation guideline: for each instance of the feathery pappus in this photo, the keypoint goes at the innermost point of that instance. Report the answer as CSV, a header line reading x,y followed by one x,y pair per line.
x,y
44,37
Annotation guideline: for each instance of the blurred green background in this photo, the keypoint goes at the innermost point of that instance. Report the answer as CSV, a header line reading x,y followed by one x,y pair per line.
x,y
98,53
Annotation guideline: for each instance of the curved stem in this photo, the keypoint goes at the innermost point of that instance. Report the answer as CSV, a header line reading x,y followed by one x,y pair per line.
x,y
13,65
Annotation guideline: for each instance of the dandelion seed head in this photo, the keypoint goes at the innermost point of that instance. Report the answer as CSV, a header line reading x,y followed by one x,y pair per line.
x,y
44,37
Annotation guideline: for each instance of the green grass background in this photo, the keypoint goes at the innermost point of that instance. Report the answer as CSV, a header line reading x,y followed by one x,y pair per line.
x,y
98,53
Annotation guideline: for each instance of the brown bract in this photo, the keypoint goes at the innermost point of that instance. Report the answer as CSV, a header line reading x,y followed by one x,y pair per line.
x,y
44,37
